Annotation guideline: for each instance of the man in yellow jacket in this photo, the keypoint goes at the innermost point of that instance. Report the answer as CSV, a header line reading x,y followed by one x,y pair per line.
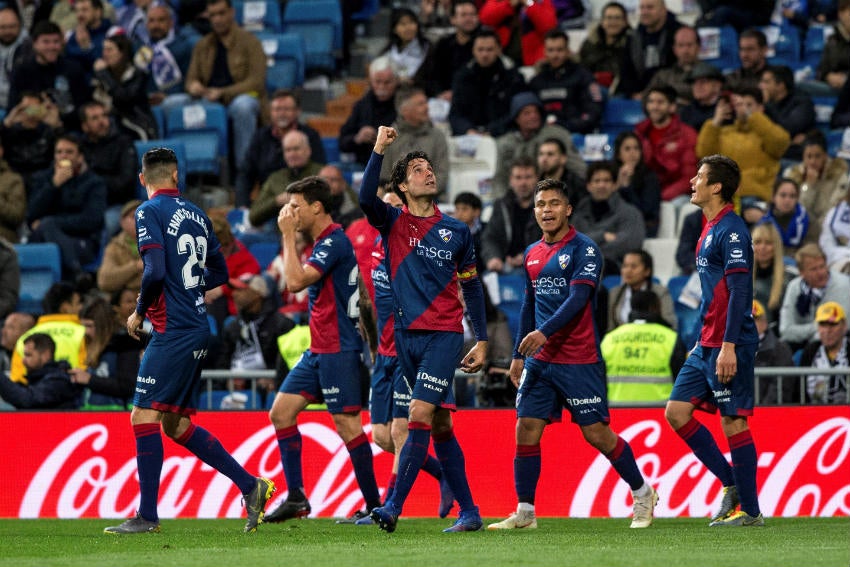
x,y
643,356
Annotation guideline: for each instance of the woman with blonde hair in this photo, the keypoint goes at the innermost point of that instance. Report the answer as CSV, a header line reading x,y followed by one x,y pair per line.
x,y
770,274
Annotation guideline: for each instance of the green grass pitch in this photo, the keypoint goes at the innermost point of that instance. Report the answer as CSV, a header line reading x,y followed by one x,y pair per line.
x,y
419,543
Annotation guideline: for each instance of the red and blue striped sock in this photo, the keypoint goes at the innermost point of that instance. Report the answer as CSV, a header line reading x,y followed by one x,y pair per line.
x,y
453,464
360,453
410,461
390,487
432,467
744,465
526,472
705,449
207,447
289,443
149,462
623,460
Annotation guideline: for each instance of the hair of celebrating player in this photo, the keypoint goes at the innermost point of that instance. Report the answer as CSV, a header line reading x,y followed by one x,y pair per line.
x,y
158,165
399,173
723,170
313,188
552,185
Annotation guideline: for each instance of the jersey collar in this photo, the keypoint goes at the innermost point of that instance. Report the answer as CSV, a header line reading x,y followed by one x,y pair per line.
x,y
329,229
166,192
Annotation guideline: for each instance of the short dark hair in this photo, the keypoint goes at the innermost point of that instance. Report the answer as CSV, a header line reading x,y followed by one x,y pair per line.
x,y
756,34
561,146
666,91
84,108
486,31
645,259
815,138
783,74
723,170
405,93
42,342
457,3
45,27
59,293
399,171
780,181
524,162
469,199
96,4
595,166
286,93
212,2
645,302
557,33
69,137
157,164
753,92
313,188
550,184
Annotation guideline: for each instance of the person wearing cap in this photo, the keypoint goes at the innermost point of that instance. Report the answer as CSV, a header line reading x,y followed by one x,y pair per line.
x,y
773,351
831,349
706,83
249,341
815,285
526,131
122,266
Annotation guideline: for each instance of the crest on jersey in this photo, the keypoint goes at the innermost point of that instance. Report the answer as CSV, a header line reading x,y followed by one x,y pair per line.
x,y
734,237
445,234
563,260
590,251
327,242
140,214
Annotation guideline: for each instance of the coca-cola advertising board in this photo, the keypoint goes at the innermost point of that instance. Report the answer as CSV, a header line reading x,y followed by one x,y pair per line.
x,y
82,465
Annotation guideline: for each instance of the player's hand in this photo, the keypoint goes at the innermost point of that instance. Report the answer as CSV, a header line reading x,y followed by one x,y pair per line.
x,y
475,358
386,136
134,321
517,366
531,343
727,364
286,222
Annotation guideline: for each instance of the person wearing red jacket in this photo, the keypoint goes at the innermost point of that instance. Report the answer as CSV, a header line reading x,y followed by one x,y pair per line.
x,y
668,144
521,26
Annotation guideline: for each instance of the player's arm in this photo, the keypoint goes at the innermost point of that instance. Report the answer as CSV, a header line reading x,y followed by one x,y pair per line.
x,y
526,325
215,271
473,296
368,325
373,207
739,305
579,296
153,278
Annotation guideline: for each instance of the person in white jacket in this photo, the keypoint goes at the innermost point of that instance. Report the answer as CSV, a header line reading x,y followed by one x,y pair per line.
x,y
835,236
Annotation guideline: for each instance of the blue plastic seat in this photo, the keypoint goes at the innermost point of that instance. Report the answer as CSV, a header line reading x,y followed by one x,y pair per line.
x,y
726,57
287,64
255,15
813,45
179,150
319,22
784,42
612,281
332,152
686,317
264,252
41,266
367,12
202,127
621,114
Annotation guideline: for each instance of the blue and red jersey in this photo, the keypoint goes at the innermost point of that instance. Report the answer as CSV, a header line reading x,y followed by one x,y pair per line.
x,y
383,301
551,269
725,248
333,298
184,234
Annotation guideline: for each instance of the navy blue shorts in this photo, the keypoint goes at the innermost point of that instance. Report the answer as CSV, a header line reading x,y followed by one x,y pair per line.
x,y
333,378
170,373
697,382
390,393
430,356
546,387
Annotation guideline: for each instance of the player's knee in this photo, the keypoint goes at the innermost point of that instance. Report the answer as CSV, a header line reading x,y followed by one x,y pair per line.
x,y
382,436
675,416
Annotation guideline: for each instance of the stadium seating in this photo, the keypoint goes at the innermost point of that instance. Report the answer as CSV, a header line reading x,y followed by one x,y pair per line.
x,y
687,318
824,105
663,252
264,252
41,267
814,43
286,59
719,47
667,221
202,127
319,22
332,152
179,151
472,165
783,44
611,281
621,114
511,293
367,11
256,15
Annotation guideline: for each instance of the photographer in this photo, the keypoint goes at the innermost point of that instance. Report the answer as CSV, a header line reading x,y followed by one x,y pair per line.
x,y
29,132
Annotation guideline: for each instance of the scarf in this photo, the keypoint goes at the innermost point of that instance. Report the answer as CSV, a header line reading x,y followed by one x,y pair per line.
x,y
825,389
808,299
157,58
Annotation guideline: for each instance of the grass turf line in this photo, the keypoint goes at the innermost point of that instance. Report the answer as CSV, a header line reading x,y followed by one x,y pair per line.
x,y
420,543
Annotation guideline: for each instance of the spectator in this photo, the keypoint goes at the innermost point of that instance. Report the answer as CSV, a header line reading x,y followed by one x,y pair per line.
x,y
815,286
299,164
132,18
10,278
570,95
572,14
84,43
636,275
823,181
739,15
61,320
649,49
841,113
606,218
468,208
835,236
521,27
772,352
688,237
67,206
122,267
787,214
112,156
752,51
375,108
15,46
63,14
482,89
834,64
113,359
123,89
637,184
512,226
668,145
48,384
229,67
451,52
344,207
166,54
706,87
13,201
752,139
770,273
552,164
249,342
265,153
649,377
407,48
293,305
830,349
792,110
526,132
48,71
686,45
29,134
435,13
15,324
416,132
605,46
239,261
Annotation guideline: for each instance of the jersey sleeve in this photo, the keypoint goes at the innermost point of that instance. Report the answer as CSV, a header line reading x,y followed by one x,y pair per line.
x,y
734,248
467,266
325,254
149,233
587,266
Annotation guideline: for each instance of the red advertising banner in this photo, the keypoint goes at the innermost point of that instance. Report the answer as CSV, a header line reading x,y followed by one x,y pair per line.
x,y
82,465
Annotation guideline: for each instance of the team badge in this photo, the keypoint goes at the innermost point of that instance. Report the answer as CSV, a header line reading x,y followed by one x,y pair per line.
x,y
590,251
734,237
563,260
445,234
